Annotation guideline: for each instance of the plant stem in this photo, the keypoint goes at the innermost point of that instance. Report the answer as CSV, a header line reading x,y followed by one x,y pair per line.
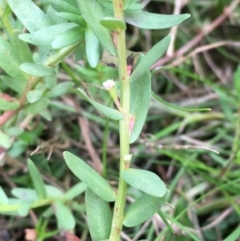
x,y
124,124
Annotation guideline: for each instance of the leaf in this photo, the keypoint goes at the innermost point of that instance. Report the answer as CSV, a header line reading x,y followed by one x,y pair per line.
x,y
37,107
45,36
162,215
140,96
17,84
60,89
5,140
146,20
71,36
25,206
53,191
75,191
25,193
73,18
178,107
38,70
142,209
3,197
21,49
34,95
113,23
64,6
80,52
109,112
236,80
92,13
99,216
32,17
65,219
8,62
92,48
150,58
145,181
8,105
88,175
37,180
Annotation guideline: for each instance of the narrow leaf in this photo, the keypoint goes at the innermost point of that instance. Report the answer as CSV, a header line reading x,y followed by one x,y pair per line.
x,y
109,112
60,89
45,36
8,104
92,48
3,197
113,23
32,17
25,206
145,181
54,192
71,36
92,13
178,107
65,219
8,62
162,215
64,6
88,175
25,193
37,180
37,107
34,95
99,216
73,18
142,209
140,96
5,140
17,84
146,20
150,58
75,191
38,70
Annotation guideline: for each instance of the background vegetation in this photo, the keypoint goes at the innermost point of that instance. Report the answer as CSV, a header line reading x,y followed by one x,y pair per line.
x,y
201,70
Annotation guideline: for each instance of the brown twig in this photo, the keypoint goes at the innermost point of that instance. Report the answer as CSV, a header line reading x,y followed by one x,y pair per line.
x,y
227,11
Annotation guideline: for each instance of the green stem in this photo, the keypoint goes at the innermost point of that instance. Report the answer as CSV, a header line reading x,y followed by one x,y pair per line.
x,y
124,124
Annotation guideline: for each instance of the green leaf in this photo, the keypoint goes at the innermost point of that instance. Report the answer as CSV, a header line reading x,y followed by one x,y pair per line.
x,y
162,215
54,192
65,219
8,62
80,52
37,107
21,49
38,70
45,36
34,95
71,36
234,235
92,14
5,140
99,216
64,6
73,18
75,191
32,17
25,206
145,181
113,23
8,105
88,175
140,96
17,84
142,209
142,19
92,48
3,197
109,112
236,80
37,180
178,107
60,89
150,58
25,193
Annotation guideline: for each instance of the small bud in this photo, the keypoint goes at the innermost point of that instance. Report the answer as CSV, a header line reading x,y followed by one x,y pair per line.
x,y
109,84
127,157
